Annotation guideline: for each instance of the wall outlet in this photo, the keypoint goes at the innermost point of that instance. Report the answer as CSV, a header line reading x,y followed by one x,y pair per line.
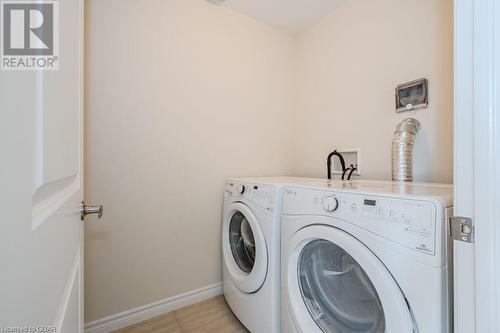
x,y
351,156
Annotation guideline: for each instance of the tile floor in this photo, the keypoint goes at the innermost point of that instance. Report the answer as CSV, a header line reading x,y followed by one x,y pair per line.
x,y
210,316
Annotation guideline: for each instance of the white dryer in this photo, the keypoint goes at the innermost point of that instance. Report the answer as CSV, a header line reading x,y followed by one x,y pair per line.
x,y
251,252
366,257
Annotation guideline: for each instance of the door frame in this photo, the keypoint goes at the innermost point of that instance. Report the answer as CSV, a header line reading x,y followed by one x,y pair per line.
x,y
476,165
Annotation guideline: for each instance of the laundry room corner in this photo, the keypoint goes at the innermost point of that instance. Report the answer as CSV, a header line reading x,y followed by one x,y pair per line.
x,y
191,94
348,66
177,109
250,166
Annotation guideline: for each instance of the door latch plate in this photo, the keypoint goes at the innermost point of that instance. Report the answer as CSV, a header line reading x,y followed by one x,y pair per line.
x,y
462,229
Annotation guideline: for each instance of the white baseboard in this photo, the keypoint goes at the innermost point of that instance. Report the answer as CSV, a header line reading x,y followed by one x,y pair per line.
x,y
133,316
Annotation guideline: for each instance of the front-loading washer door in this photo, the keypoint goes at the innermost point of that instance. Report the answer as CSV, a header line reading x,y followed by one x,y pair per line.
x,y
337,285
244,248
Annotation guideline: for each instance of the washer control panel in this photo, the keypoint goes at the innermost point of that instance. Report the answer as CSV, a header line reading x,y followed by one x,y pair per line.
x,y
262,195
411,223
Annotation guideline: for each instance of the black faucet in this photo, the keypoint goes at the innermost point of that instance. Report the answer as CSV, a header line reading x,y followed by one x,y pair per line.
x,y
351,170
329,163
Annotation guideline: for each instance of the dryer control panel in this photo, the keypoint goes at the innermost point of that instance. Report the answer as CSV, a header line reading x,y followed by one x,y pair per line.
x,y
261,195
409,222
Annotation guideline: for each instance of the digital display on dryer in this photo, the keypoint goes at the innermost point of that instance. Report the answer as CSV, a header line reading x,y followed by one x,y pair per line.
x,y
372,203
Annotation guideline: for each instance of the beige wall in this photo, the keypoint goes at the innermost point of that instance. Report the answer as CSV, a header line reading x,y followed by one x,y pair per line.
x,y
348,67
180,95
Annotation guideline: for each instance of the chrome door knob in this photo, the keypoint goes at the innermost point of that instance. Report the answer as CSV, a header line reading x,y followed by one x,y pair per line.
x,y
86,210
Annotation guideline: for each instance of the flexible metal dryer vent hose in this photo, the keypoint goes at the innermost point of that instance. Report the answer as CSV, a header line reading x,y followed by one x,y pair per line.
x,y
402,150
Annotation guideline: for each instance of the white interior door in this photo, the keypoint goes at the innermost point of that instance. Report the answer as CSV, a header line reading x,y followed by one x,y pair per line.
x,y
41,279
477,164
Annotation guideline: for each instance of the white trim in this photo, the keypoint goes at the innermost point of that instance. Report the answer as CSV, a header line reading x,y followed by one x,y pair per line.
x,y
486,150
81,171
477,183
464,277
133,316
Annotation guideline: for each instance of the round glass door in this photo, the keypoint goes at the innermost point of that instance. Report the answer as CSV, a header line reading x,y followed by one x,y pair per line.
x,y
244,248
337,291
242,242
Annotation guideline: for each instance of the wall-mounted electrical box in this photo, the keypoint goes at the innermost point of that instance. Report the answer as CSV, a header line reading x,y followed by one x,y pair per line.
x,y
412,95
351,156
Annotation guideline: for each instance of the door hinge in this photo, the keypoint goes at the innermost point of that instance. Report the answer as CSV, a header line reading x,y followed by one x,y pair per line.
x,y
462,229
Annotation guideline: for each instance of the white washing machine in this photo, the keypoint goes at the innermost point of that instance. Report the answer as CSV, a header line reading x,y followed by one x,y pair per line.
x,y
366,257
251,252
